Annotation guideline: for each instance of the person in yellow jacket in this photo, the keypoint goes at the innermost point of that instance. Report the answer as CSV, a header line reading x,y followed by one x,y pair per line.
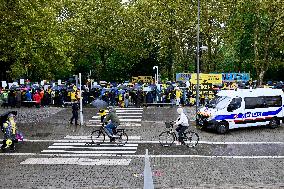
x,y
9,128
178,95
73,96
103,114
120,100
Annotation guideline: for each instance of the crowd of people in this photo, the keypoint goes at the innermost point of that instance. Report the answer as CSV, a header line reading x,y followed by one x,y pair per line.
x,y
119,95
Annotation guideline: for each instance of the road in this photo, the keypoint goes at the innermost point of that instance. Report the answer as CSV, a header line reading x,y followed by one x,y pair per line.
x,y
55,155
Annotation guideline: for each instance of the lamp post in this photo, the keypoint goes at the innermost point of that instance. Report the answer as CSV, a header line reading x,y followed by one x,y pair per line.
x,y
156,75
81,102
197,61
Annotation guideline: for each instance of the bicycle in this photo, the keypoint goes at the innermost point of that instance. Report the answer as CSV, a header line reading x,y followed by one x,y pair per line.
x,y
98,136
168,137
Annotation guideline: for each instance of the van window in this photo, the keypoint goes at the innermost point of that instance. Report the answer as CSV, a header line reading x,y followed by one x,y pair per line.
x,y
273,101
235,104
263,102
254,102
223,102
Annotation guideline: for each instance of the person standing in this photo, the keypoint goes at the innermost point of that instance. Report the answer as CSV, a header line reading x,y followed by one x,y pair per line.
x,y
126,99
37,99
75,109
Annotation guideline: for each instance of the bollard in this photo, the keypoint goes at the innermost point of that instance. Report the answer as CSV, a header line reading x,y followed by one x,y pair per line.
x,y
148,178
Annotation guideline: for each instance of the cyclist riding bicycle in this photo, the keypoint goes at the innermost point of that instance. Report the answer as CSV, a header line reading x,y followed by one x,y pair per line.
x,y
181,123
114,121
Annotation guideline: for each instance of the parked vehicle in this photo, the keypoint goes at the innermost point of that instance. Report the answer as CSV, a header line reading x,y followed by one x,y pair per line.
x,y
243,108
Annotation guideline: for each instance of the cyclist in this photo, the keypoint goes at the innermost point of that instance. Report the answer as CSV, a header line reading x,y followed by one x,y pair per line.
x,y
181,123
114,121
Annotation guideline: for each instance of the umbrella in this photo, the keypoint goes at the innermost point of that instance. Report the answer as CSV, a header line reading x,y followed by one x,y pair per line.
x,y
137,86
122,86
98,103
97,87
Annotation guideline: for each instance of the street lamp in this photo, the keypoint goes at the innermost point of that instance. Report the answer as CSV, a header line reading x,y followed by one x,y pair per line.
x,y
156,75
197,65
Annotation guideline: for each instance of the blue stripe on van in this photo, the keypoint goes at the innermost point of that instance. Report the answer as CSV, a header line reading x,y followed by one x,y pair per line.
x,y
240,115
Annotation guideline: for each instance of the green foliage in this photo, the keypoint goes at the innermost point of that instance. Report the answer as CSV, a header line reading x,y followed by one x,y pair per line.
x,y
56,39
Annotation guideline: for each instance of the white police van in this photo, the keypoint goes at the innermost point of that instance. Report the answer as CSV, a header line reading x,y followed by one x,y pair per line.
x,y
243,108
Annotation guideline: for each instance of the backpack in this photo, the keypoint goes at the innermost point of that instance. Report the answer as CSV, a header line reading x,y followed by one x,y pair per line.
x,y
126,96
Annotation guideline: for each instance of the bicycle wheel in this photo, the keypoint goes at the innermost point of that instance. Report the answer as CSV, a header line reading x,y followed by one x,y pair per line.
x,y
97,137
166,138
191,139
122,139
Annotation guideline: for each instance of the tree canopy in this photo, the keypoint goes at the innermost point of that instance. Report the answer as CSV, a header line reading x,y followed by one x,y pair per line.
x,y
117,40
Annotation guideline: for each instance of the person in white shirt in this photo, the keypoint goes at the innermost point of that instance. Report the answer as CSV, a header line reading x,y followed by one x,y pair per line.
x,y
181,123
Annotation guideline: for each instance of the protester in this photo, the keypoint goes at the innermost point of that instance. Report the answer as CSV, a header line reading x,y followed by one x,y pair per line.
x,y
75,109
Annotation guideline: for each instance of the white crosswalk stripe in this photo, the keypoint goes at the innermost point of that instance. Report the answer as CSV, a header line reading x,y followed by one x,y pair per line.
x,y
81,147
129,117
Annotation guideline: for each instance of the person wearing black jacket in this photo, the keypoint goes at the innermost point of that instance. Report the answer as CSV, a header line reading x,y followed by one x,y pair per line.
x,y
75,108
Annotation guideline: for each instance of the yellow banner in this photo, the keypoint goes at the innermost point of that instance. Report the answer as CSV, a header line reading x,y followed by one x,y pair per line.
x,y
206,78
143,79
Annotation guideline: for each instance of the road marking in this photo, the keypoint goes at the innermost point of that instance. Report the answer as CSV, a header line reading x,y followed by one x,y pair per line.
x,y
125,120
76,161
126,113
126,116
84,143
153,141
93,147
89,137
142,156
89,152
128,109
123,124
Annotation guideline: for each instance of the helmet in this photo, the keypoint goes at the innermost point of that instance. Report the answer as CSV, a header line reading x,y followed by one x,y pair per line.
x,y
179,110
11,115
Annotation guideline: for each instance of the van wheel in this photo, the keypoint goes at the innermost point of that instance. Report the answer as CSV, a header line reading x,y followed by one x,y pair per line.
x,y
274,123
222,128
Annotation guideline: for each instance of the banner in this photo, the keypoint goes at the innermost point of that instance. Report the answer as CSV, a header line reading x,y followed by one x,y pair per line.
x,y
207,78
22,81
232,77
183,76
4,84
143,79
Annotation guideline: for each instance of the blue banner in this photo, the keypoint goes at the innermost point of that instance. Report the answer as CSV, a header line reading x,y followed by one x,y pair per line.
x,y
231,77
183,76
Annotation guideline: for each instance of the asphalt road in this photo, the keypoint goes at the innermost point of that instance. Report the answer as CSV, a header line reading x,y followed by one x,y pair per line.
x,y
55,155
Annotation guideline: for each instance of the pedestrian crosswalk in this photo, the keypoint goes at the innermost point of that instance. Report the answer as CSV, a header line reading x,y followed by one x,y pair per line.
x,y
76,150
129,117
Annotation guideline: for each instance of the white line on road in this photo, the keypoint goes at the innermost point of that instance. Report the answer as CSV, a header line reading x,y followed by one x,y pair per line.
x,y
155,141
125,116
88,137
84,143
89,152
126,113
134,120
123,124
142,156
76,161
129,110
93,147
